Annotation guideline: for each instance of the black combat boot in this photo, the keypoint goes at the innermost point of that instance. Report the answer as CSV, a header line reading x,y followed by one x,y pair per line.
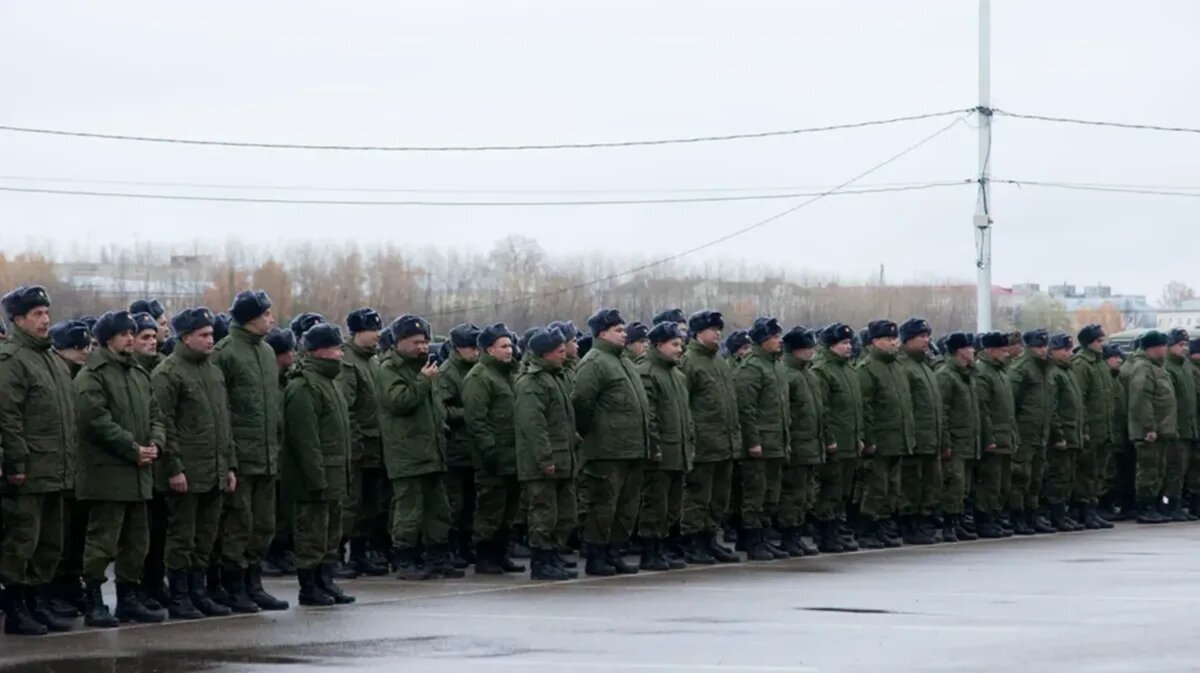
x,y
1175,510
652,555
18,621
179,603
872,535
286,562
1059,519
518,546
234,581
1020,523
440,565
806,544
456,558
598,564
543,567
486,563
409,565
311,594
986,527
38,601
70,591
848,538
565,565
254,589
97,613
720,552
915,533
561,553
775,549
961,531
889,528
505,560
830,540
325,581
131,609
948,532
673,551
201,600
697,550
617,559
1041,523
361,561
756,545
1148,511
1090,520
212,575
341,569
791,542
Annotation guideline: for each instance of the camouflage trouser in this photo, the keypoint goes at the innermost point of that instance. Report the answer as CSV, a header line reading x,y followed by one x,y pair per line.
x,y
33,537
1192,482
798,494
497,500
992,481
958,473
420,511
1028,473
551,512
364,501
118,533
317,530
706,497
248,521
1151,469
460,492
1062,475
761,483
920,484
836,478
1088,475
1122,477
662,502
74,533
614,489
1178,452
192,523
881,486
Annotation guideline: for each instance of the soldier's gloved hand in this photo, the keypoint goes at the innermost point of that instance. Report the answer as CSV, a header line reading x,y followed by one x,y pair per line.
x,y
491,464
178,483
755,451
548,471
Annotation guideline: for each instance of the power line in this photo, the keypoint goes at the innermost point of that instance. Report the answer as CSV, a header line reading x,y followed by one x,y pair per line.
x,y
1092,122
708,244
485,204
433,190
1085,187
478,148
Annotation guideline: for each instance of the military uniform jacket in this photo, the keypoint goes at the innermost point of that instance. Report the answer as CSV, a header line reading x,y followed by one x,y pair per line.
x,y
887,404
672,433
1097,385
255,401
997,420
762,394
1151,398
449,385
118,412
804,410
1070,415
148,362
1121,413
712,395
190,390
961,410
489,391
928,412
611,411
1180,369
315,465
412,419
1033,399
842,401
38,437
545,421
356,381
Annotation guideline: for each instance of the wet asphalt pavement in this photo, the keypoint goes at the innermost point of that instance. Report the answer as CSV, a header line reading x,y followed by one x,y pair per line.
x,y
1103,602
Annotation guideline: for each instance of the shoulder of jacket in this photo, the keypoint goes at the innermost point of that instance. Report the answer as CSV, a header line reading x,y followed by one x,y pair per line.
x,y
8,349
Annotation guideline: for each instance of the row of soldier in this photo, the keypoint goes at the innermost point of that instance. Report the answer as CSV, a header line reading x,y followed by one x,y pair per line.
x,y
204,447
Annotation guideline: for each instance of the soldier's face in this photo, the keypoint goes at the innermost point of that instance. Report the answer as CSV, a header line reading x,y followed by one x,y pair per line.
x,y
284,361
998,354
614,335
367,339
146,342
200,340
683,329
1157,353
36,322
262,324
557,357
965,356
710,337
638,348
918,344
1115,362
328,353
1061,355
672,349
571,348
469,354
1098,344
843,349
121,343
1038,352
1181,349
164,329
502,350
887,344
804,354
416,346
774,344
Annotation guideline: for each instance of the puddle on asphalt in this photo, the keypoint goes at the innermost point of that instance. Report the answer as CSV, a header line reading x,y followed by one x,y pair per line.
x,y
856,611
1086,560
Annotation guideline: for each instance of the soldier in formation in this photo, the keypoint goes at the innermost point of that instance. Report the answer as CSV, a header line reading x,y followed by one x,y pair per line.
x,y
188,454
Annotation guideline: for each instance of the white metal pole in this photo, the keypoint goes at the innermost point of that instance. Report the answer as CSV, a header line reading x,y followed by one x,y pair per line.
x,y
982,219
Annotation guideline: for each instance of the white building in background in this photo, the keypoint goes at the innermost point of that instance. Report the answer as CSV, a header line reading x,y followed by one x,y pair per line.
x,y
1135,310
1186,315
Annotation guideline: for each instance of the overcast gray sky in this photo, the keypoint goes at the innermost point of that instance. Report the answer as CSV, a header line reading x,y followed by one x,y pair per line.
x,y
461,72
